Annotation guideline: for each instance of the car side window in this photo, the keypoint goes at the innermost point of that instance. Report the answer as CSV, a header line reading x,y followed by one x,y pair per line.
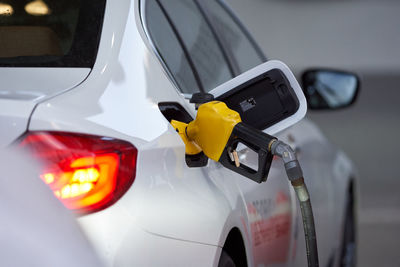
x,y
205,55
167,44
233,37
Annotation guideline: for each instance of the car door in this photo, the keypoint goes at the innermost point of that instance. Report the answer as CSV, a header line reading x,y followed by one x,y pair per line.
x,y
205,61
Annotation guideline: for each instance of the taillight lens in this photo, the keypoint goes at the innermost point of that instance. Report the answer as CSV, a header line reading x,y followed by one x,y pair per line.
x,y
87,173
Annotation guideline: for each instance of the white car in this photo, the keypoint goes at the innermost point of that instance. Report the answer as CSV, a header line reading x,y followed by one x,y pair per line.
x,y
89,86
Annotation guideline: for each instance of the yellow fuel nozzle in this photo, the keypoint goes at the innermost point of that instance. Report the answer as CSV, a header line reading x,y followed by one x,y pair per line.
x,y
191,148
211,129
217,130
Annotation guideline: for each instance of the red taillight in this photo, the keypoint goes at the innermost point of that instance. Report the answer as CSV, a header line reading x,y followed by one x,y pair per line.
x,y
87,173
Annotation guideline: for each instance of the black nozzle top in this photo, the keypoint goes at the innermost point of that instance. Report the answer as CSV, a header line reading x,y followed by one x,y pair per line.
x,y
201,98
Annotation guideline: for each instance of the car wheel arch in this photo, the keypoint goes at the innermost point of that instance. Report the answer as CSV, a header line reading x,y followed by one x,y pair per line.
x,y
234,246
351,202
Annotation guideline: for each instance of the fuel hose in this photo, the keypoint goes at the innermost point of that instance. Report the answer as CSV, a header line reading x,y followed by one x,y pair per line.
x,y
308,221
295,175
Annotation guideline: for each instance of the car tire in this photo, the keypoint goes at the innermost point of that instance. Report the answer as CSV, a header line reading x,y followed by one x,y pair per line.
x,y
349,248
225,260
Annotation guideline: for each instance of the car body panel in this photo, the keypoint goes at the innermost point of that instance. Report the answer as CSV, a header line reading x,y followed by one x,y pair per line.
x,y
186,213
120,242
19,96
14,116
32,87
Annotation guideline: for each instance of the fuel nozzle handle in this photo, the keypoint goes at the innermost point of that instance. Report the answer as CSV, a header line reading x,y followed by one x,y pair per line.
x,y
255,140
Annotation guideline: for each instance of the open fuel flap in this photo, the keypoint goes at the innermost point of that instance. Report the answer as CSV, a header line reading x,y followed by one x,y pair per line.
x,y
267,97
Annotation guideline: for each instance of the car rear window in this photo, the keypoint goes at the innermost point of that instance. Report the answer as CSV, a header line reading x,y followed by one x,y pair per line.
x,y
50,33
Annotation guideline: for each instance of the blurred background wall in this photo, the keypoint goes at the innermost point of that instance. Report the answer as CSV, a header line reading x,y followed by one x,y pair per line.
x,y
361,36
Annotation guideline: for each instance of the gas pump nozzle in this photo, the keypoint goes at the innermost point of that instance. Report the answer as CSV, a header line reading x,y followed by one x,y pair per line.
x,y
218,130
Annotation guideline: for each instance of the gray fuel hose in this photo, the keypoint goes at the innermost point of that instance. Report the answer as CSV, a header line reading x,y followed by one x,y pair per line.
x,y
295,175
308,221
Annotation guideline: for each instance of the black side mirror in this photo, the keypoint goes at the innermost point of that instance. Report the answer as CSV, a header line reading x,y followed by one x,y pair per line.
x,y
330,89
